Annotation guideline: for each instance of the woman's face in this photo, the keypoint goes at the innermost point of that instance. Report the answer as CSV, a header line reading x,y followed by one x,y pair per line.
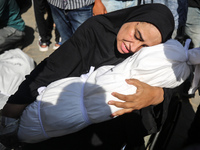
x,y
132,36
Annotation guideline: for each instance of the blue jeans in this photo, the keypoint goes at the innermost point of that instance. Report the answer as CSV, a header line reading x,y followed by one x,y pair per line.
x,y
192,28
113,5
67,21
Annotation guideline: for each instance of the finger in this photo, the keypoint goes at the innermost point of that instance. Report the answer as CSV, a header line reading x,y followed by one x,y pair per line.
x,y
119,96
126,98
122,104
134,82
121,112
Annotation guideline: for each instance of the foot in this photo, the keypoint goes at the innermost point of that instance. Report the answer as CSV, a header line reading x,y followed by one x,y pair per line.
x,y
57,45
43,47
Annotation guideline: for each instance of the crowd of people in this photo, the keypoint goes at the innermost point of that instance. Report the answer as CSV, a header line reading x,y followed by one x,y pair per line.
x,y
115,68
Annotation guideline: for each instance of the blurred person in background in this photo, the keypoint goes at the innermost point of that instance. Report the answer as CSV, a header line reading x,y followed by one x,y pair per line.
x,y
11,25
45,23
68,15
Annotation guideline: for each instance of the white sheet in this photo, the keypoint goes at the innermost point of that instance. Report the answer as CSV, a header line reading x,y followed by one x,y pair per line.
x,y
14,65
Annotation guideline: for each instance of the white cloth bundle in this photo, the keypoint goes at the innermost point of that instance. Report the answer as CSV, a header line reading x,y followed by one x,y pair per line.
x,y
14,65
68,105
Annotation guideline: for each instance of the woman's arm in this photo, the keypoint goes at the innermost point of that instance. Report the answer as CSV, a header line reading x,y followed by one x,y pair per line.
x,y
73,58
145,95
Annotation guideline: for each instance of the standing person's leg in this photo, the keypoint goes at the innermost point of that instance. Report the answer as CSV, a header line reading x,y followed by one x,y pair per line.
x,y
182,17
9,37
67,21
49,21
179,11
57,39
113,5
132,3
62,24
43,27
57,36
192,28
78,16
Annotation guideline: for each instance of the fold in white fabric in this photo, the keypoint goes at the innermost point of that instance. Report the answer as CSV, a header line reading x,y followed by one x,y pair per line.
x,y
68,105
194,59
14,65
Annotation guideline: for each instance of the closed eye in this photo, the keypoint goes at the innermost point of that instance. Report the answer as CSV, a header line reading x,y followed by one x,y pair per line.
x,y
144,45
138,36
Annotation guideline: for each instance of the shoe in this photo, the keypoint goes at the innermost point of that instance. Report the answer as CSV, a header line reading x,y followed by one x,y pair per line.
x,y
43,47
8,132
57,45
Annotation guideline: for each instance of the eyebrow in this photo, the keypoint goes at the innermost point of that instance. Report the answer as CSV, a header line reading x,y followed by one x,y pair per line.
x,y
141,38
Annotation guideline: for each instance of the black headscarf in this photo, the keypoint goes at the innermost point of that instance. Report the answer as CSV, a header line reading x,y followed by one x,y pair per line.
x,y
100,32
93,44
157,14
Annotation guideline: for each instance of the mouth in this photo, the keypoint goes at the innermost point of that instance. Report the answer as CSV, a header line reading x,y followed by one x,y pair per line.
x,y
125,48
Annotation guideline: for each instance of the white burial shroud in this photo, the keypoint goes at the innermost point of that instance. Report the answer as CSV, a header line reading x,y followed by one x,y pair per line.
x,y
14,65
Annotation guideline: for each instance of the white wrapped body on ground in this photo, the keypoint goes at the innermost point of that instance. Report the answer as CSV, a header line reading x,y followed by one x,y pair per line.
x,y
14,65
69,105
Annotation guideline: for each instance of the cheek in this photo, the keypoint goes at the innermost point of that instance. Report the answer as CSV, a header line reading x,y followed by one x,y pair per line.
x,y
118,43
130,33
119,35
122,33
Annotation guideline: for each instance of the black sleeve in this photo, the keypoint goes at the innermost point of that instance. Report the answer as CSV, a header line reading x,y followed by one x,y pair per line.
x,y
93,44
168,93
57,66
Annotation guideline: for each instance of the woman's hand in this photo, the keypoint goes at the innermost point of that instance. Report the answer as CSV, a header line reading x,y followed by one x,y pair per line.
x,y
99,8
145,95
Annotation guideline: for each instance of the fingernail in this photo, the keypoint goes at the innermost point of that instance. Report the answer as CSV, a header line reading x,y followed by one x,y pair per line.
x,y
113,115
109,102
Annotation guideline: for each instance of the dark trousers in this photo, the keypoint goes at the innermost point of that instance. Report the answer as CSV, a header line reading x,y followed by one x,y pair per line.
x,y
44,23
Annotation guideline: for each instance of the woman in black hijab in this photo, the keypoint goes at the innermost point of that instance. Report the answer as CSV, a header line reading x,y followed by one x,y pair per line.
x,y
93,44
96,43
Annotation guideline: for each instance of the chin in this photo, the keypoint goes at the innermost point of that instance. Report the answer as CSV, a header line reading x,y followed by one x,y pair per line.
x,y
121,52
